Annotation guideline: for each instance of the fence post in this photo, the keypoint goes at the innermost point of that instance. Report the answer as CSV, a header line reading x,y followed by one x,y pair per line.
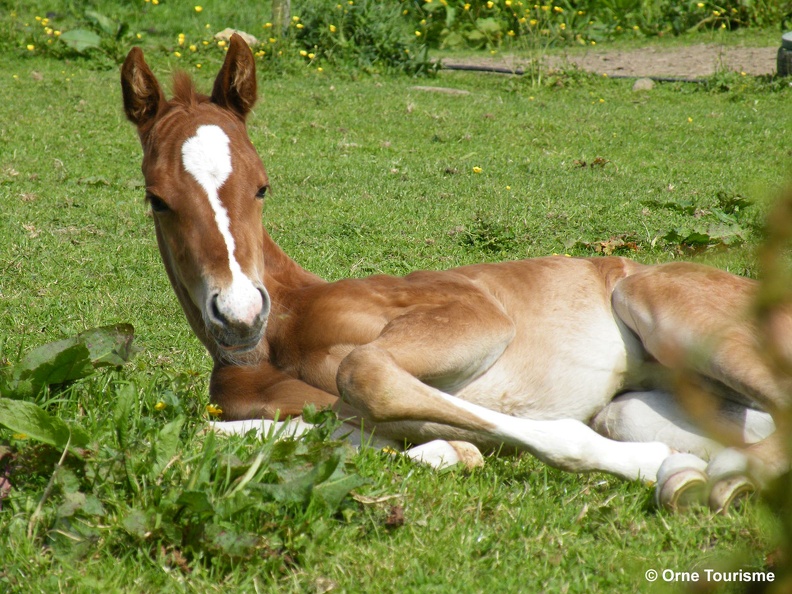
x,y
281,13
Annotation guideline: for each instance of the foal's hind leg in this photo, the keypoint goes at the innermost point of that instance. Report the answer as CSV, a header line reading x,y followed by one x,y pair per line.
x,y
655,416
697,318
390,380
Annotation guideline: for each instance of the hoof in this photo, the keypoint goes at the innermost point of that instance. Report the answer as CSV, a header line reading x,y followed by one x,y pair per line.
x,y
729,492
469,455
441,454
681,482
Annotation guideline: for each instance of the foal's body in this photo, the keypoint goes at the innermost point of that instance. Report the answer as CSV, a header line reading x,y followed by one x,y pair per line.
x,y
529,355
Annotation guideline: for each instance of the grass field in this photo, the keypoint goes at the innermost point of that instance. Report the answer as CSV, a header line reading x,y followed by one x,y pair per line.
x,y
369,175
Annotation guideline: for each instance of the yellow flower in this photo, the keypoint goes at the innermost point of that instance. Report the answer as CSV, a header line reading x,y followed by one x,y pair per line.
x,y
508,187
303,53
300,25
490,4
155,2
177,54
700,5
477,170
19,436
417,33
320,69
197,65
44,22
333,29
296,19
193,48
510,33
467,6
272,40
562,26
690,120
160,405
558,9
311,56
213,410
57,34
31,47
267,25
221,43
533,22
198,8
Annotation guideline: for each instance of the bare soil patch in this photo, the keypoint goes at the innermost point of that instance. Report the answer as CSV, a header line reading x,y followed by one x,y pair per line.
x,y
690,62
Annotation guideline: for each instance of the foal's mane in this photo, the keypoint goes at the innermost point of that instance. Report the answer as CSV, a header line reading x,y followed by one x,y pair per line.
x,y
184,93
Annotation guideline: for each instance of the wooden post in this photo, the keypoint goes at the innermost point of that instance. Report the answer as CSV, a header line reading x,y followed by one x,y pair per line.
x,y
281,13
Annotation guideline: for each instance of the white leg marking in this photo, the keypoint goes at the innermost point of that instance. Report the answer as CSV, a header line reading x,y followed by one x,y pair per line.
x,y
207,157
572,445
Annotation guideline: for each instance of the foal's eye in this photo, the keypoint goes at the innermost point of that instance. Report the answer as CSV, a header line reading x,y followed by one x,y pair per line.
x,y
261,192
157,203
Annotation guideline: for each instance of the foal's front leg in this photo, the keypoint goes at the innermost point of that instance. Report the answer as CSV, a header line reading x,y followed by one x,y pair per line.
x,y
395,379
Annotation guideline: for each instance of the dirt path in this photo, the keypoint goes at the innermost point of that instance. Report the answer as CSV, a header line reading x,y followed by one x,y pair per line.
x,y
693,61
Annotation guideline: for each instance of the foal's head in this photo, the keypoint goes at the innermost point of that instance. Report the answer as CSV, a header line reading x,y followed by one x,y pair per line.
x,y
205,184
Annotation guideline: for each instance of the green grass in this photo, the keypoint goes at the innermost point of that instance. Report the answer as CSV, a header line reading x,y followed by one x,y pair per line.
x,y
368,175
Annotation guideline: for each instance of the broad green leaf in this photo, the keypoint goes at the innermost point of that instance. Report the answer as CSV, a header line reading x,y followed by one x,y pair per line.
x,y
106,24
230,541
332,492
137,523
109,345
296,491
488,26
80,39
55,363
31,420
197,502
166,447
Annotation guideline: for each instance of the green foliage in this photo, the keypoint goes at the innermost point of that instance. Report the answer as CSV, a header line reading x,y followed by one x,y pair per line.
x,y
157,484
365,34
524,24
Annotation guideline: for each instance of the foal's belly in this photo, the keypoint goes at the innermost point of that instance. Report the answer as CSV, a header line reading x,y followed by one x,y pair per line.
x,y
566,368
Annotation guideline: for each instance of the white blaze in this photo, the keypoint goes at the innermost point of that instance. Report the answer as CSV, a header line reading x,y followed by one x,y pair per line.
x,y
207,157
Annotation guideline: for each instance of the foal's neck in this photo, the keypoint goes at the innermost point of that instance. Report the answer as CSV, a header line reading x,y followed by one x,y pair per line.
x,y
282,274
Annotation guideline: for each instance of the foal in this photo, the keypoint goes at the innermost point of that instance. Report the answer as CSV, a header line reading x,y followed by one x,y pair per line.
x,y
569,359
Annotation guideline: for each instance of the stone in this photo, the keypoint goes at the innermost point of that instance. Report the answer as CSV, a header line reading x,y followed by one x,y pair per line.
x,y
643,84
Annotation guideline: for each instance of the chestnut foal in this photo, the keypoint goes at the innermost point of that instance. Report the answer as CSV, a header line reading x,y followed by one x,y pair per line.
x,y
569,359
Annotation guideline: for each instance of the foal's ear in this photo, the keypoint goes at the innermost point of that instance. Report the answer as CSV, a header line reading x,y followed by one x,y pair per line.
x,y
235,85
143,97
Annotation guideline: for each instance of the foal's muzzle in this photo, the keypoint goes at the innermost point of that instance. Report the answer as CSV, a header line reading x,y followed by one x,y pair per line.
x,y
237,317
